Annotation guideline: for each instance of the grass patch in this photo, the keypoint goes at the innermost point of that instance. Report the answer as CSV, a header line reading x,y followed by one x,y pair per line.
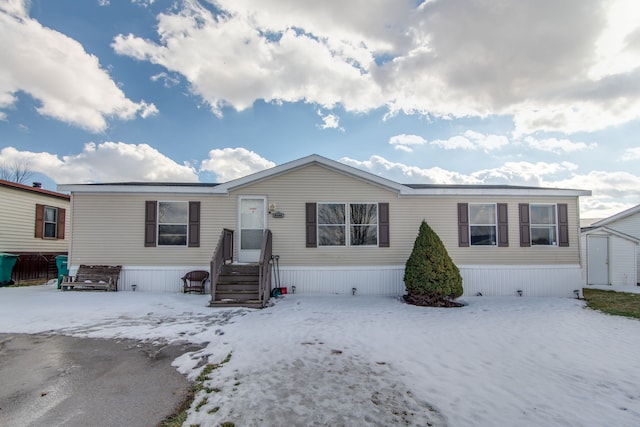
x,y
178,418
617,303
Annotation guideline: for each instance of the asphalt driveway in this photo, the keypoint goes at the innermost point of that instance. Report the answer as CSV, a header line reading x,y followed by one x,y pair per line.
x,y
63,381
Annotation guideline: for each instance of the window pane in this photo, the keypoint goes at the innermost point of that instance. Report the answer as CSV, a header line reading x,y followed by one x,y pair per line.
x,y
483,235
331,213
251,239
252,213
50,214
362,213
364,235
543,235
482,214
331,235
543,214
50,229
172,235
173,212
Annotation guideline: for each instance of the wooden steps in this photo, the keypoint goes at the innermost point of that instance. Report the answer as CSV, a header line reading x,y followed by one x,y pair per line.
x,y
237,286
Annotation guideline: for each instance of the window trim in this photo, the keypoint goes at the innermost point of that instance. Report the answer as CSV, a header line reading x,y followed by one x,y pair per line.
x,y
502,225
561,224
54,222
553,208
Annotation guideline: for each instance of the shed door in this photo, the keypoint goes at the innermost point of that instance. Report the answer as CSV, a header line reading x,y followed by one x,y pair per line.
x,y
252,220
598,260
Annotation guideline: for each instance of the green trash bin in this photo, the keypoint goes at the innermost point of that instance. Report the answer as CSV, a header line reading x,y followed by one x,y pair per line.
x,y
63,269
7,261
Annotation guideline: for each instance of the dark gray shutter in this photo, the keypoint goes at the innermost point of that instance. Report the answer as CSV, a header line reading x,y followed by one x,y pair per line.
x,y
150,218
525,233
39,232
62,216
503,225
463,225
194,224
563,225
383,225
311,225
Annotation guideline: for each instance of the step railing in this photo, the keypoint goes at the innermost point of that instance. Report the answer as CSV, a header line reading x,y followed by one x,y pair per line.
x,y
222,255
264,287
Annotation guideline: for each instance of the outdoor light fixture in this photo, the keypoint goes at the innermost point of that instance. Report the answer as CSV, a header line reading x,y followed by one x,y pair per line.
x,y
293,289
134,287
519,291
479,294
576,292
353,291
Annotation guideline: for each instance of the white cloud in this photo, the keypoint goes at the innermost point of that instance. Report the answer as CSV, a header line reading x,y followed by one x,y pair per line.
x,y
612,191
404,142
330,121
471,140
69,83
558,146
631,154
105,162
232,163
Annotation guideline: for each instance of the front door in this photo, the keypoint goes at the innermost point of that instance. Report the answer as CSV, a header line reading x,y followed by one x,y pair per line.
x,y
252,220
598,260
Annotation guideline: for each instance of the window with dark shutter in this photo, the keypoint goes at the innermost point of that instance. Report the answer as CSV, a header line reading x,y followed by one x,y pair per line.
x,y
503,225
463,225
150,220
383,225
194,224
311,223
563,225
525,234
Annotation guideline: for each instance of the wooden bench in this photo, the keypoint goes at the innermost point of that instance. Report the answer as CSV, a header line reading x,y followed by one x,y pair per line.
x,y
93,278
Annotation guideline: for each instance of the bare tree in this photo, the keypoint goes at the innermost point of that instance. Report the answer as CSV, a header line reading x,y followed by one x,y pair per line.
x,y
18,172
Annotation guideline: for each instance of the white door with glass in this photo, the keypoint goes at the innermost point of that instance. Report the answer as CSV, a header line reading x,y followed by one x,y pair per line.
x,y
252,223
598,260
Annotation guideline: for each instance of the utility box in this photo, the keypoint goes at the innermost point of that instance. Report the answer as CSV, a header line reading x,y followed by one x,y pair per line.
x,y
7,261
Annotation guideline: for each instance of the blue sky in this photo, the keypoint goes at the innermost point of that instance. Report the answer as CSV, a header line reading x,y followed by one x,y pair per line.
x,y
534,92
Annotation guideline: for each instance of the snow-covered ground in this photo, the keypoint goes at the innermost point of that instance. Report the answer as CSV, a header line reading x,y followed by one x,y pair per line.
x,y
357,361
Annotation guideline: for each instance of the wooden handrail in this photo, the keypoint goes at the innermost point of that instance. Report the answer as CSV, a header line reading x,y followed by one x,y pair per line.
x,y
222,255
264,289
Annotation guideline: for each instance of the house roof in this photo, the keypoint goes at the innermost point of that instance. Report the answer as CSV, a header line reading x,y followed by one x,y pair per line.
x,y
33,190
314,159
613,218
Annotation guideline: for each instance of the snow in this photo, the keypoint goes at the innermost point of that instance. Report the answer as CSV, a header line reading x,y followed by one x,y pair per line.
x,y
357,360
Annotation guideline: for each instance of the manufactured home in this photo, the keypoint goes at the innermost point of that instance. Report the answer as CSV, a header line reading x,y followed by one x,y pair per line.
x,y
334,229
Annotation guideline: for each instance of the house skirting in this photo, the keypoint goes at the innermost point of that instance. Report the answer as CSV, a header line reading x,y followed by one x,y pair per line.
x,y
496,280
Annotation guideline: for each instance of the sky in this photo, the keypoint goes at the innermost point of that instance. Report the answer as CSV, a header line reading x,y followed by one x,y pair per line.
x,y
317,360
534,92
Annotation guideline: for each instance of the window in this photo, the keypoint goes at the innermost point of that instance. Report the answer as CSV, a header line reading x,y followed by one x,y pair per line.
x,y
172,224
543,225
50,222
482,224
331,224
173,219
361,223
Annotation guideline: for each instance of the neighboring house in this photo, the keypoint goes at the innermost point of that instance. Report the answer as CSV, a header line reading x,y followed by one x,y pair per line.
x,y
334,228
611,249
33,223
